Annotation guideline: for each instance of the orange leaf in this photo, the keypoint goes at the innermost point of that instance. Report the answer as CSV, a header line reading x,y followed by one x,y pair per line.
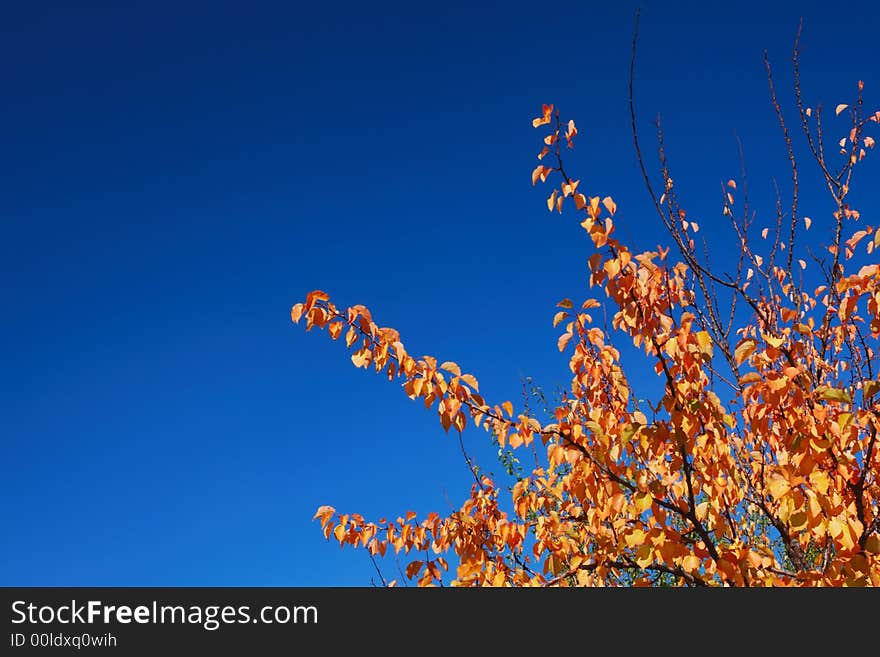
x,y
446,421
350,336
749,377
610,205
540,172
536,173
840,108
563,340
471,381
324,513
544,119
314,296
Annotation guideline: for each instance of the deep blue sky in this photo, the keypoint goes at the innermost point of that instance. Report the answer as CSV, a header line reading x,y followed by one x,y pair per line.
x,y
175,176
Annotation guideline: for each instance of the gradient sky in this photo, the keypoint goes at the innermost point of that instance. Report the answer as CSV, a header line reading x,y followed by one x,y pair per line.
x,y
174,176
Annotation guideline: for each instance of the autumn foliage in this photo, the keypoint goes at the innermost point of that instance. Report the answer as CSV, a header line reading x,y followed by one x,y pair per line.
x,y
758,465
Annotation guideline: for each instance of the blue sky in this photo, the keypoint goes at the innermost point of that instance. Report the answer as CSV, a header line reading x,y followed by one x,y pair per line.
x,y
176,175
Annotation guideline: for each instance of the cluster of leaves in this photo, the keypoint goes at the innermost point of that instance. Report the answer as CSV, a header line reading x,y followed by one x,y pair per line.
x,y
758,465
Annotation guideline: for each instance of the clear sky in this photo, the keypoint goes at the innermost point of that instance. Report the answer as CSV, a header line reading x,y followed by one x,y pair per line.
x,y
174,176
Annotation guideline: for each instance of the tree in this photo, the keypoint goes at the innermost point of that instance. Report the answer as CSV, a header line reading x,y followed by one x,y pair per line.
x,y
757,466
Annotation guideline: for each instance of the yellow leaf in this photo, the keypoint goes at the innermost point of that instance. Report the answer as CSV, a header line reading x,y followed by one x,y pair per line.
x,y
690,563
449,366
833,394
644,555
507,406
296,312
552,200
554,565
705,342
642,501
808,222
778,486
840,108
635,537
743,350
802,263
798,520
558,317
820,481
626,433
